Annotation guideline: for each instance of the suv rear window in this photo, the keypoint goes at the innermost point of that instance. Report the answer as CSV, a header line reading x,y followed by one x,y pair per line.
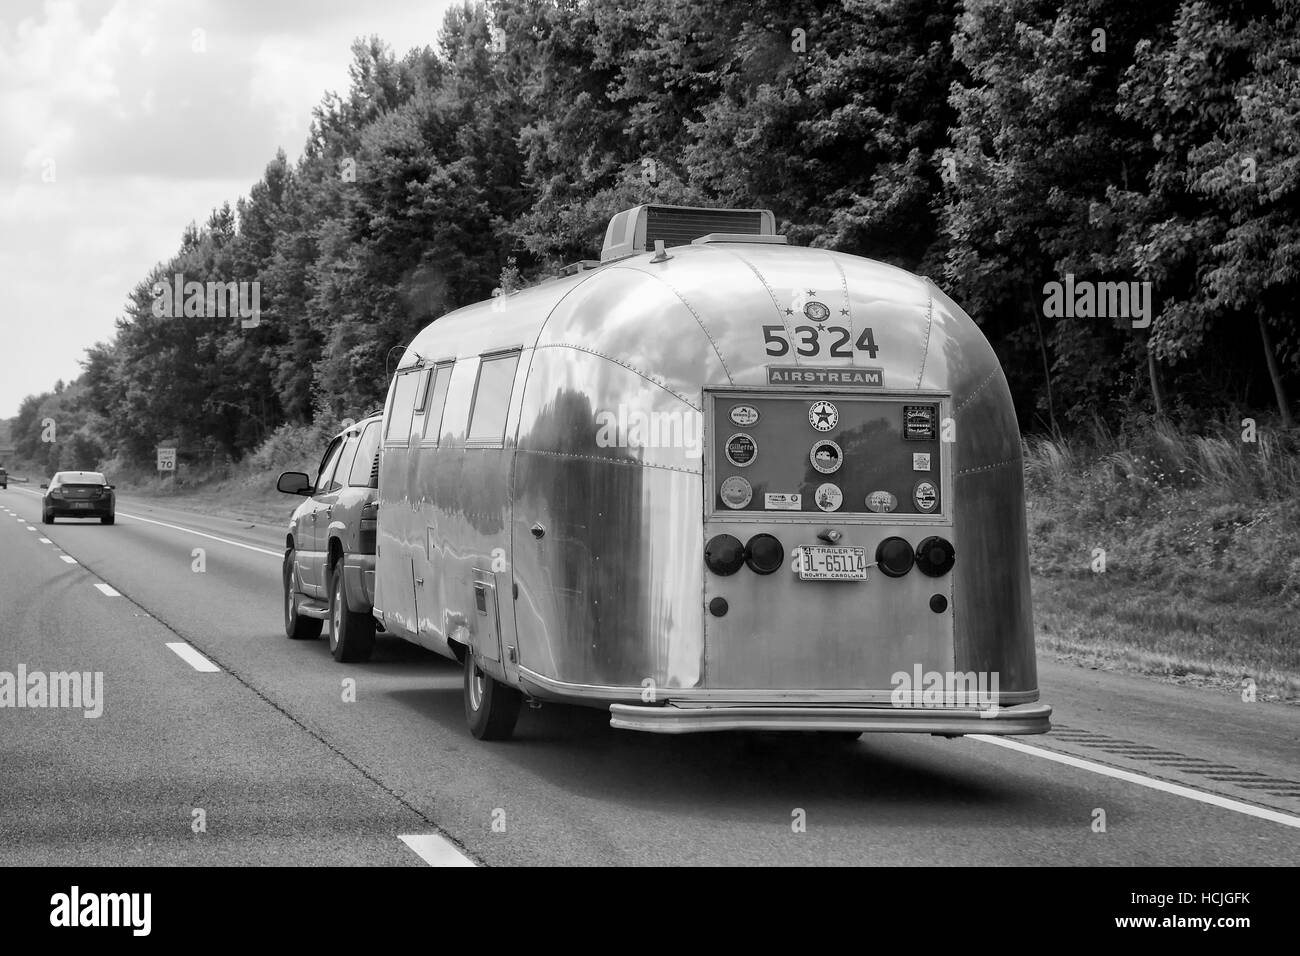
x,y
359,476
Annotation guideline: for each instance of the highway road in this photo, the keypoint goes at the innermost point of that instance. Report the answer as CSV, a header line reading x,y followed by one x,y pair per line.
x,y
222,742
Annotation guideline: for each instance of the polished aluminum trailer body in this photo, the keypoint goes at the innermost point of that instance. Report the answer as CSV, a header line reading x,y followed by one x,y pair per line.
x,y
571,566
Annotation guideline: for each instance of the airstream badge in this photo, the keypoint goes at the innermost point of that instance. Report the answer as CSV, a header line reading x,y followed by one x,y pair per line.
x,y
736,492
823,416
741,450
744,415
807,375
826,456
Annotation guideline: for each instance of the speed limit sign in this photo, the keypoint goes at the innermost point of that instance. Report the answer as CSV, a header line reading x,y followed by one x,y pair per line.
x,y
166,459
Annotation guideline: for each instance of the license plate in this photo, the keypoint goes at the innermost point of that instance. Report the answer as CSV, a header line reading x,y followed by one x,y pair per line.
x,y
833,564
82,504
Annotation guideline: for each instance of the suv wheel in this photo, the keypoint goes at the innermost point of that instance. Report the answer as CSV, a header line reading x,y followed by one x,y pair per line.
x,y
298,628
352,635
108,519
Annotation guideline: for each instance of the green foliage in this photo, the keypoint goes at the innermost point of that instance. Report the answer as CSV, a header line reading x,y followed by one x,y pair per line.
x,y
993,145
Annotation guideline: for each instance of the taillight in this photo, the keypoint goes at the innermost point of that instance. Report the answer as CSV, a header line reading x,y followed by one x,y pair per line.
x,y
894,557
366,527
764,554
935,557
724,554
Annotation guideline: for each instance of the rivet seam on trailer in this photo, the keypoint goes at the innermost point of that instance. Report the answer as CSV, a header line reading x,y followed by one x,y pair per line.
x,y
996,464
699,321
844,288
925,346
630,462
776,303
978,388
630,368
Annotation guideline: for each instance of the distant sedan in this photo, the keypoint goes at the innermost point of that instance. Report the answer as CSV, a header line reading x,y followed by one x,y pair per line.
x,y
78,494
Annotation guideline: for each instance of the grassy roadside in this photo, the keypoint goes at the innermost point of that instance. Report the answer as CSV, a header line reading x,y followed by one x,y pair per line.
x,y
1173,557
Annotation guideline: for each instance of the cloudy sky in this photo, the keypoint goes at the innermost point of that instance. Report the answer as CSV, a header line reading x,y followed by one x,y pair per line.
x,y
119,124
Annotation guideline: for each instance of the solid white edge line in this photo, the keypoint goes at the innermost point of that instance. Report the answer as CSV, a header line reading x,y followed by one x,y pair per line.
x,y
106,590
1226,803
201,534
192,657
68,558
435,850
213,537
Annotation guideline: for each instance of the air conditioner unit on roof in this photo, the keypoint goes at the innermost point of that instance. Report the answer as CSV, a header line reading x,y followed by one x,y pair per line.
x,y
636,230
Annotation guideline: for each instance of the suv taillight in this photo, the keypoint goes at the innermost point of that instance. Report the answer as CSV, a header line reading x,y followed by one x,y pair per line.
x,y
367,527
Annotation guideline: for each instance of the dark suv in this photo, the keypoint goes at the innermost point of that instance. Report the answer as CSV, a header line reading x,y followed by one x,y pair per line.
x,y
4,478
329,557
78,494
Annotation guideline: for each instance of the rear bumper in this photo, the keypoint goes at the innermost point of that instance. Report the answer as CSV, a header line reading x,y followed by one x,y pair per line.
x,y
684,717
97,509
359,582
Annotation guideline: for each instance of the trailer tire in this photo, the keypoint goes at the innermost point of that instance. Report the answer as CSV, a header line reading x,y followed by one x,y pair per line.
x,y
491,707
297,627
352,635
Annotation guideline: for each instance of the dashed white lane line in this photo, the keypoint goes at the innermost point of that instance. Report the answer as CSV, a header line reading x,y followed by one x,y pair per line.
x,y
68,559
30,528
44,540
192,657
435,850
107,591
1226,803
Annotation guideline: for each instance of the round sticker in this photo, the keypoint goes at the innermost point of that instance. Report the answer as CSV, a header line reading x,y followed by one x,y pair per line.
x,y
744,415
826,456
736,492
881,502
829,497
925,495
741,450
823,416
817,311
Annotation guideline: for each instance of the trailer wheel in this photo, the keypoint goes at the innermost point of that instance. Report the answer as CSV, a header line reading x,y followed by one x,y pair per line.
x,y
352,635
296,626
491,707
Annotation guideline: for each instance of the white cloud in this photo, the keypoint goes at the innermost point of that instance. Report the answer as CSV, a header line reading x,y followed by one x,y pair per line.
x,y
145,135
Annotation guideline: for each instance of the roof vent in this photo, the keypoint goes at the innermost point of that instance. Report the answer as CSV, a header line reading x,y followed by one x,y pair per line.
x,y
635,230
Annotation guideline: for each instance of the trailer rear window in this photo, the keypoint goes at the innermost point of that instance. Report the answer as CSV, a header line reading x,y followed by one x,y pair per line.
x,y
487,419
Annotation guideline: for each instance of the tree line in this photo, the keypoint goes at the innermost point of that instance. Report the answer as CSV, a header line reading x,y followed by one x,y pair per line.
x,y
997,147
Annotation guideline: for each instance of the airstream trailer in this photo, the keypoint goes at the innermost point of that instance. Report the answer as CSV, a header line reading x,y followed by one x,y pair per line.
x,y
713,482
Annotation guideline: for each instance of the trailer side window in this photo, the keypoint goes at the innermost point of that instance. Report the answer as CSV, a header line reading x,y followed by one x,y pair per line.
x,y
437,402
487,418
402,408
